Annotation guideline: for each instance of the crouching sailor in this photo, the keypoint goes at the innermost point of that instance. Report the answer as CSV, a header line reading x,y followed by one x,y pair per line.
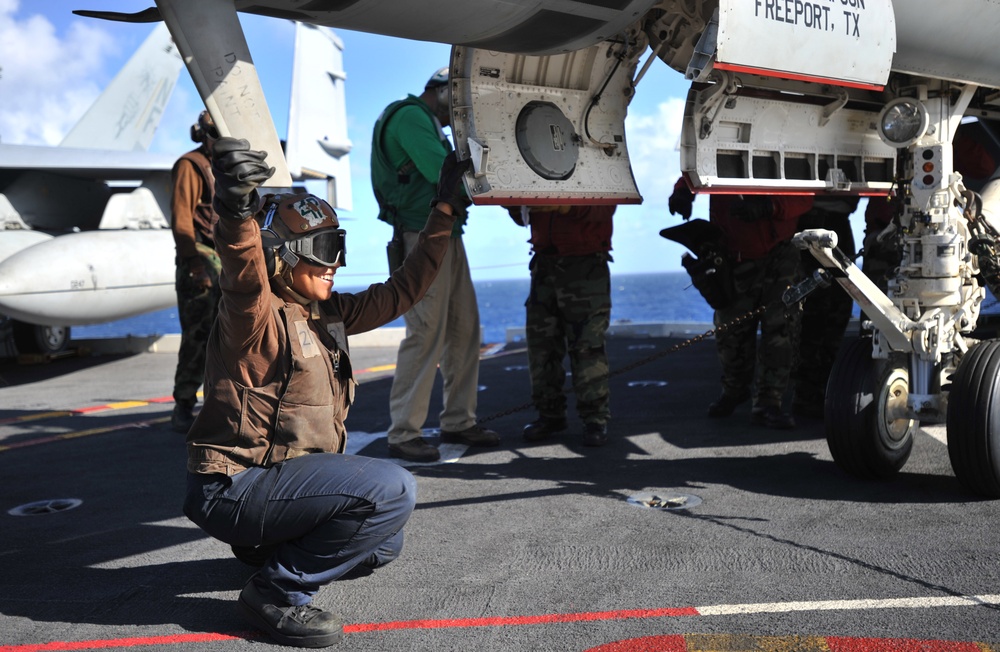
x,y
266,469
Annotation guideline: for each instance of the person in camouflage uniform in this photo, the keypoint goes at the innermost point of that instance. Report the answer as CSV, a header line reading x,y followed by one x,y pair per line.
x,y
198,267
825,312
756,234
568,311
759,283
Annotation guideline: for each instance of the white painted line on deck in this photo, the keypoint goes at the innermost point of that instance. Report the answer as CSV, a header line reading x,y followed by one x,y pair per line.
x,y
850,605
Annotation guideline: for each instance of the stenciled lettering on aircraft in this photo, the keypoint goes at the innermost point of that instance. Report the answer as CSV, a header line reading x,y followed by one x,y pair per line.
x,y
129,110
233,90
822,15
132,105
158,106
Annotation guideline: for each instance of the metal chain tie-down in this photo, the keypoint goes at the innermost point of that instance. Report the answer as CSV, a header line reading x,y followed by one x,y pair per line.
x,y
793,294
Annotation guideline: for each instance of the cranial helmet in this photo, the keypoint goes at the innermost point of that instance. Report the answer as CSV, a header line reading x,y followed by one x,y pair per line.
x,y
438,79
204,128
301,226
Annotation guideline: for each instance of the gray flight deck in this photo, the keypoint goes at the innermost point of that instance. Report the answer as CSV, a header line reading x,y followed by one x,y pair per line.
x,y
766,544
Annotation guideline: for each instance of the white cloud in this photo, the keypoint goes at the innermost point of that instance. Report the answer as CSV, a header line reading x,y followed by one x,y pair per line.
x,y
48,79
652,146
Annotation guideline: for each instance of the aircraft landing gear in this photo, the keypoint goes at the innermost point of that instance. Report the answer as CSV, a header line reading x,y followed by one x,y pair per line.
x,y
33,338
866,435
974,419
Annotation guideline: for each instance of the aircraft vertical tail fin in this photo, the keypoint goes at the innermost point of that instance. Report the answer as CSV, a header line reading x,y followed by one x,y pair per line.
x,y
127,113
318,145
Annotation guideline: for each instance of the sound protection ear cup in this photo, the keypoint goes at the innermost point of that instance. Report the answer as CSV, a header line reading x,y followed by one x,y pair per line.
x,y
269,262
197,134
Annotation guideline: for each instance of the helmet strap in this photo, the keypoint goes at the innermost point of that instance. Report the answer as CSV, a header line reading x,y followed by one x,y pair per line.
x,y
286,254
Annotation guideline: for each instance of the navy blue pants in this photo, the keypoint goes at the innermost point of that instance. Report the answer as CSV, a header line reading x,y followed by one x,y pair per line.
x,y
324,514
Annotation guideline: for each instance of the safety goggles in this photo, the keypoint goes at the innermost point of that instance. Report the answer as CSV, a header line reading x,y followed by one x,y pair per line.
x,y
324,248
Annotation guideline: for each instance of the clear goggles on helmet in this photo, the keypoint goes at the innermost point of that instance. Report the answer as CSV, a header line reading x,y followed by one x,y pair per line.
x,y
325,248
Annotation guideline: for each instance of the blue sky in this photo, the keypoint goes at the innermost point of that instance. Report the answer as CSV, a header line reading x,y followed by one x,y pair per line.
x,y
54,64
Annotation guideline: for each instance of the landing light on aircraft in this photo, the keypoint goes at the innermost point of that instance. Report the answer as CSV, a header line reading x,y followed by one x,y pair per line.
x,y
902,122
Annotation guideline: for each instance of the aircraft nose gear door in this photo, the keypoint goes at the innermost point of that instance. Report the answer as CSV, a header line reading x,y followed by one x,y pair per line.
x,y
546,129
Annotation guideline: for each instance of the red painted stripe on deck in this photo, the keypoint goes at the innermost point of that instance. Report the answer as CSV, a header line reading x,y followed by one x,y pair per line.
x,y
841,644
366,627
663,643
90,410
521,620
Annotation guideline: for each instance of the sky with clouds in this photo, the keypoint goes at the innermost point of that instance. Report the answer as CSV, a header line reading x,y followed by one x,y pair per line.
x,y
54,64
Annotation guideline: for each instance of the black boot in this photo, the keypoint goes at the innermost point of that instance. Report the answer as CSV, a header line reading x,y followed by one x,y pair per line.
x,y
771,416
595,434
299,626
727,404
543,428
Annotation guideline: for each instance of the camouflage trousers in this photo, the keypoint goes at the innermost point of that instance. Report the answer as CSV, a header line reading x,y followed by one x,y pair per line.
x,y
197,309
568,311
769,362
825,314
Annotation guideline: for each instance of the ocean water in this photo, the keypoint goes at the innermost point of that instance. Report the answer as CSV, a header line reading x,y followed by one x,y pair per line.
x,y
663,297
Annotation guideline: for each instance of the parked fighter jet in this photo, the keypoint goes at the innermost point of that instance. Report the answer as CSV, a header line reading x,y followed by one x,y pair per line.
x,y
47,191
120,263
828,96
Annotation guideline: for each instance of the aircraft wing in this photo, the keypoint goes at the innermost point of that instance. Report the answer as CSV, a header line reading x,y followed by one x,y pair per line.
x,y
94,164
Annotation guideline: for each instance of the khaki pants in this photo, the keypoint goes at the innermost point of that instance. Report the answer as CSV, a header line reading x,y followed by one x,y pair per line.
x,y
442,328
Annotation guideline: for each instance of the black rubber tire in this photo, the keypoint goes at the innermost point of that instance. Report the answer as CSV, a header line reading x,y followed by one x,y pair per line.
x,y
974,420
862,441
33,338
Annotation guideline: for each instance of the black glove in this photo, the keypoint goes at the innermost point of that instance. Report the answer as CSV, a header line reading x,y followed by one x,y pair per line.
x,y
752,208
450,188
680,202
238,171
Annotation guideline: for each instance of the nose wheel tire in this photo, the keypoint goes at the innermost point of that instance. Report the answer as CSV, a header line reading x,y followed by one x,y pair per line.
x,y
974,419
866,435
